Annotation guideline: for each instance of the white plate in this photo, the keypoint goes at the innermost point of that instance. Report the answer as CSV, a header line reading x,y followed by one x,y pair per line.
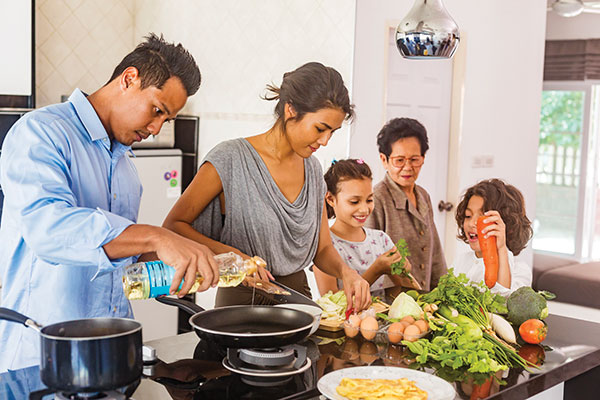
x,y
436,388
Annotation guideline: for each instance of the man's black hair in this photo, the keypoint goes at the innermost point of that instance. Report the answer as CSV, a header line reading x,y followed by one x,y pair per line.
x,y
157,60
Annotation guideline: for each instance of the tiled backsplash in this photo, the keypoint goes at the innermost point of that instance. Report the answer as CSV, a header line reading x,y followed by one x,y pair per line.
x,y
78,44
240,46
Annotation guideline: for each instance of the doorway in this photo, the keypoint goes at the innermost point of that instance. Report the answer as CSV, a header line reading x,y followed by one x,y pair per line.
x,y
422,90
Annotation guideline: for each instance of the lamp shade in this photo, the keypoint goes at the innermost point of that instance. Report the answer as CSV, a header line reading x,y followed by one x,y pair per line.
x,y
427,32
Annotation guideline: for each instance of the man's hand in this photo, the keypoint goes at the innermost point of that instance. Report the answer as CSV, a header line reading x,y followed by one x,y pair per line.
x,y
189,258
357,290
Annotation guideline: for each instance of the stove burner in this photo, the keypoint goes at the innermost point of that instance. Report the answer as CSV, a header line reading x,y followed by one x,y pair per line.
x,y
267,367
268,357
284,359
110,395
123,393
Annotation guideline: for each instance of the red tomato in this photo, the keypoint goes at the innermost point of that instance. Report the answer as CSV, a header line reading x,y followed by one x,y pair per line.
x,y
533,331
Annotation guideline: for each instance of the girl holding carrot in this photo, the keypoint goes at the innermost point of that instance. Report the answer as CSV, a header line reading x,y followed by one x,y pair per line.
x,y
500,208
370,252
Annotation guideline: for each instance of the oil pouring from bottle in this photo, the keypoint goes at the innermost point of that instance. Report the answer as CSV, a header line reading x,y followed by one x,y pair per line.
x,y
149,279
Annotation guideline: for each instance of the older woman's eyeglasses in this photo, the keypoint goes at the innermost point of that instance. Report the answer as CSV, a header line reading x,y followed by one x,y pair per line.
x,y
400,161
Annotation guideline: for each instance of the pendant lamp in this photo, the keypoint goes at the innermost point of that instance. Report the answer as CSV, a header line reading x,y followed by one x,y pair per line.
x,y
427,32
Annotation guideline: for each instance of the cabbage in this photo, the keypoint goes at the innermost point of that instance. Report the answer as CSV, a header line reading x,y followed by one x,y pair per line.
x,y
333,305
404,305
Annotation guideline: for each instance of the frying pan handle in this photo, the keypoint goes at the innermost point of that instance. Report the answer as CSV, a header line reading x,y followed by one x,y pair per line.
x,y
188,306
11,315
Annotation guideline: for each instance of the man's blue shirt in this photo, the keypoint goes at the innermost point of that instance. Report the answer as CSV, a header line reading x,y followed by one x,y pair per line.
x,y
67,193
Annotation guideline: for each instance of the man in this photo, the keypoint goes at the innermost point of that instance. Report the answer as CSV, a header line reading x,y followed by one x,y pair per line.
x,y
72,197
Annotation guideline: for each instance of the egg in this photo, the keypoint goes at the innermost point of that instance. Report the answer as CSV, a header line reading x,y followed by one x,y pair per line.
x,y
411,333
423,325
405,323
354,320
352,325
409,318
368,353
368,328
395,332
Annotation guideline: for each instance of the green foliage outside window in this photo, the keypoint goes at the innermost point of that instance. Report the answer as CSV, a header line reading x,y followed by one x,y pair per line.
x,y
562,118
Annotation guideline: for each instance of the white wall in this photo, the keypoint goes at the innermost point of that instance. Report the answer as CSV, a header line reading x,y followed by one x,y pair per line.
x,y
240,46
583,26
502,88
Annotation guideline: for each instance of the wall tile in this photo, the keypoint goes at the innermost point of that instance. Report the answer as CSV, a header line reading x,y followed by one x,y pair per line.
x,y
78,44
240,46
56,12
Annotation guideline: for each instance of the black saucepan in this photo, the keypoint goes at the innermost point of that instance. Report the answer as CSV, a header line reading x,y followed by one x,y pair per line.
x,y
246,326
87,355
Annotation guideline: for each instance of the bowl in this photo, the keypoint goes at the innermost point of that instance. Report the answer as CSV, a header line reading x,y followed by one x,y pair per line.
x,y
312,310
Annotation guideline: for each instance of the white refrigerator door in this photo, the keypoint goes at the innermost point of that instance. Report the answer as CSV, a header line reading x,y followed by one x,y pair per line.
x,y
160,174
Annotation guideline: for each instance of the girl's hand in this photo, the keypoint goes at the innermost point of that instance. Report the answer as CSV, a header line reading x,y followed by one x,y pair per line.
x,y
497,229
384,261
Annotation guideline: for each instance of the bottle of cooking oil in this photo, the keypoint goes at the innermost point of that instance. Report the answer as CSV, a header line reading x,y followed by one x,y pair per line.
x,y
144,280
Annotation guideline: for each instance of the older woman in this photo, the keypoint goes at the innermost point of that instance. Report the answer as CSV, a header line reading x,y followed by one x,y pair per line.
x,y
402,208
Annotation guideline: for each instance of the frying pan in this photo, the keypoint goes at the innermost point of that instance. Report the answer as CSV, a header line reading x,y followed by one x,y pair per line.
x,y
246,326
87,355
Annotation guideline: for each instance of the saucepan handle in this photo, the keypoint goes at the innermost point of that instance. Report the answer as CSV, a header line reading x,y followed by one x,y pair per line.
x,y
188,306
11,315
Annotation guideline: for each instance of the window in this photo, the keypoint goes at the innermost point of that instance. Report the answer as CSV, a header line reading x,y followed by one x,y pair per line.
x,y
567,177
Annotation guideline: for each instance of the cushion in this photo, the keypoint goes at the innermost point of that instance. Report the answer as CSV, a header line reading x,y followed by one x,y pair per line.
x,y
576,283
543,263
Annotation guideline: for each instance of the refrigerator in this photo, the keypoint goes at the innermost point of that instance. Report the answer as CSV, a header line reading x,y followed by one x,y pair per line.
x,y
160,173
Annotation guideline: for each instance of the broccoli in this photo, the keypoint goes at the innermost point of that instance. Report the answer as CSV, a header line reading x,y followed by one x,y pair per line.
x,y
525,303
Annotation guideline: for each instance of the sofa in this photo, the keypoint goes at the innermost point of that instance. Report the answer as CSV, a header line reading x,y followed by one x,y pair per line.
x,y
572,282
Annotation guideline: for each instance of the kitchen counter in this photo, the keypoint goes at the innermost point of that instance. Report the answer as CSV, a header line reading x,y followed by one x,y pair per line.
x,y
575,360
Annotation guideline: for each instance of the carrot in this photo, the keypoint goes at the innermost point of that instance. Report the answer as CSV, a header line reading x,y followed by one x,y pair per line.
x,y
489,252
482,391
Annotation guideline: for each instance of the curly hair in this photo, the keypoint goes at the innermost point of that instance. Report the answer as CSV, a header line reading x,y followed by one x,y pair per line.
x,y
344,170
509,202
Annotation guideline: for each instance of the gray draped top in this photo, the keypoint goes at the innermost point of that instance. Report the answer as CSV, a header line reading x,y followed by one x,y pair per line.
x,y
259,220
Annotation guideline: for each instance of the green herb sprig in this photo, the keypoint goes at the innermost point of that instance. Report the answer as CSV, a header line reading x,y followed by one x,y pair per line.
x,y
399,267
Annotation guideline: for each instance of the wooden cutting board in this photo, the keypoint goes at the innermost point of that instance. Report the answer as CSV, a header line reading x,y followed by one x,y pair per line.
x,y
338,325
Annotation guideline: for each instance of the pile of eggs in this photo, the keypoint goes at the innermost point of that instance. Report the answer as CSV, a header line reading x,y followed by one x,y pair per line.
x,y
407,328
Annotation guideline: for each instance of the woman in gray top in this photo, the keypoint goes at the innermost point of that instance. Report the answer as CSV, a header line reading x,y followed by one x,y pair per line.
x,y
264,195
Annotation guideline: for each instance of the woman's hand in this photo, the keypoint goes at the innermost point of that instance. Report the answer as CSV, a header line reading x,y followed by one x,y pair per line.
x,y
497,228
263,274
357,289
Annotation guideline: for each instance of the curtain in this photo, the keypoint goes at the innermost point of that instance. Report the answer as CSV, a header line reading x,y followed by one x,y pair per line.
x,y
572,60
